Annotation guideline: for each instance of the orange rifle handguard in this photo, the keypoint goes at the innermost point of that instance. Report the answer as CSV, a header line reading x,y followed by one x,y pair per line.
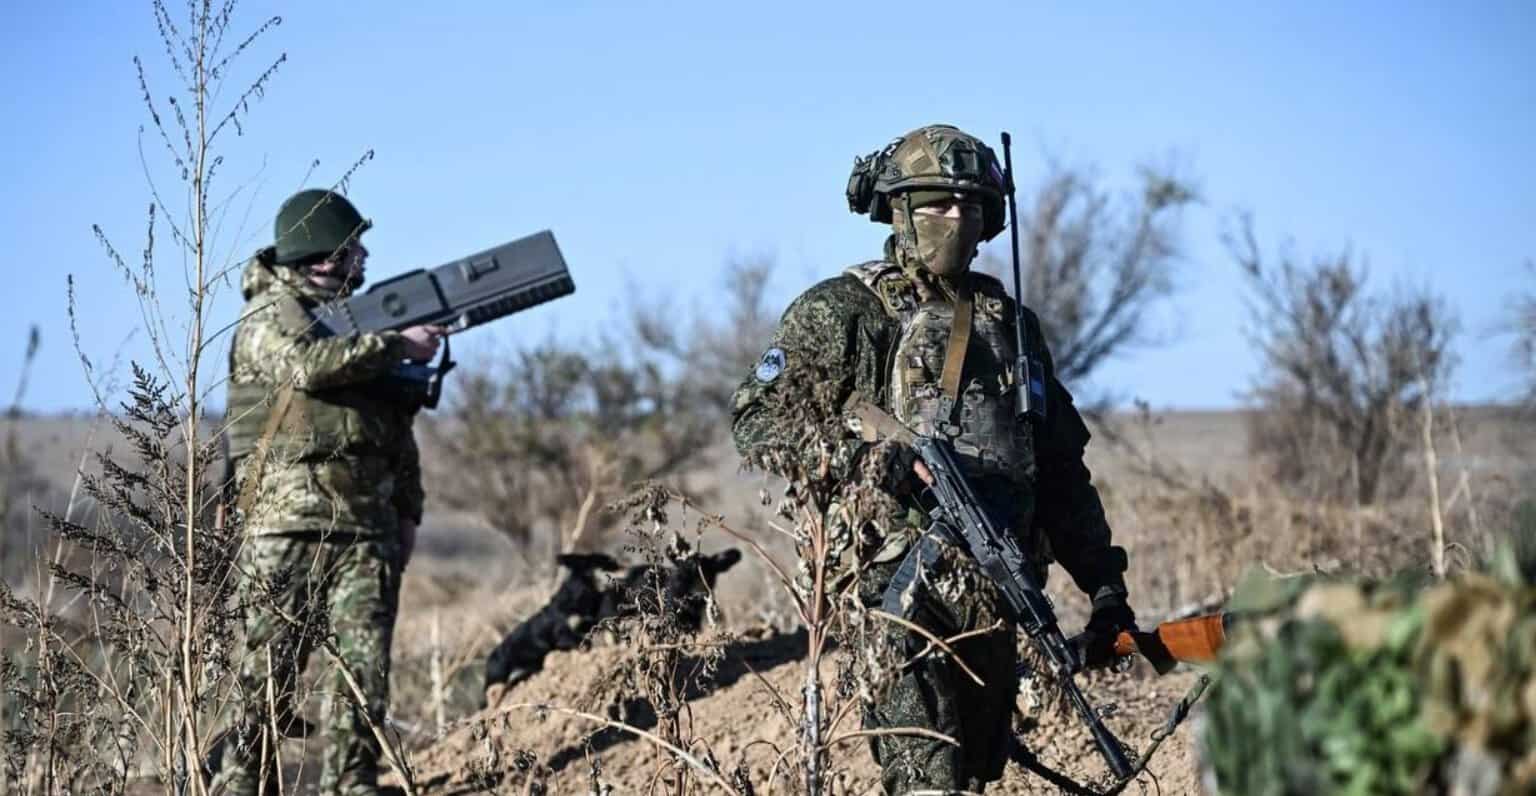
x,y
1194,640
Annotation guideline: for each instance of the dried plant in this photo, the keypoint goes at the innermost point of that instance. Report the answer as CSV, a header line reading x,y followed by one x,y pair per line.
x,y
669,660
1094,269
18,478
1522,323
555,434
1345,373
564,428
122,685
110,673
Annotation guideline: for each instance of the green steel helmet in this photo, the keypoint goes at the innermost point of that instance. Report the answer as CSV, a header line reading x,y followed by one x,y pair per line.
x,y
938,158
314,224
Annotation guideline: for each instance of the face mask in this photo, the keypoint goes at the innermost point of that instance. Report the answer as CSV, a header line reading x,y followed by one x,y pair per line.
x,y
342,277
944,246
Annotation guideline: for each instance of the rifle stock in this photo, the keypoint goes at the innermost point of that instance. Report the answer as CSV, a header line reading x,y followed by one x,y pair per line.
x,y
1198,639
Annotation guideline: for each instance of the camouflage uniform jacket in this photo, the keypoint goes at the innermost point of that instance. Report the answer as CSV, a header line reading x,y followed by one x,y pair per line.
x,y
845,329
343,458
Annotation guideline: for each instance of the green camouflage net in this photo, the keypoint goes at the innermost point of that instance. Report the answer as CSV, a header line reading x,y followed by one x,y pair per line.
x,y
1403,687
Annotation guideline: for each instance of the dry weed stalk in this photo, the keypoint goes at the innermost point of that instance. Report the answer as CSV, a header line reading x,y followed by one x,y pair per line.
x,y
569,426
158,588
138,664
16,476
831,529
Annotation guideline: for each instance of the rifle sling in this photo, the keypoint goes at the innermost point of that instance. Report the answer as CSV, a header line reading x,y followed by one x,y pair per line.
x,y
954,354
274,421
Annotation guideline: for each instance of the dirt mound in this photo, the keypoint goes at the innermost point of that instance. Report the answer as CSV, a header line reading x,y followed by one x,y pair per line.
x,y
739,724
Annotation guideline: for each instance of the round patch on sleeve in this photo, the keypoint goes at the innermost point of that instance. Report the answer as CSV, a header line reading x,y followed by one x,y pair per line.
x,y
771,365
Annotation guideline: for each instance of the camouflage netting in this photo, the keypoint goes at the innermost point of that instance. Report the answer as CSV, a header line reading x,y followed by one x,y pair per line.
x,y
1402,687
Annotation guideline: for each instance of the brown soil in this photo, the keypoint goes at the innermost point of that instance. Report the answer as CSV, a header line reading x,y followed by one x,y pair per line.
x,y
739,723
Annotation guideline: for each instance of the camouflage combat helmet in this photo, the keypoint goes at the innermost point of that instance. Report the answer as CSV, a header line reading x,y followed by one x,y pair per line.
x,y
936,158
314,224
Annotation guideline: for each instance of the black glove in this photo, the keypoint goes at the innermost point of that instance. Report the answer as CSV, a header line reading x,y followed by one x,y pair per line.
x,y
1095,646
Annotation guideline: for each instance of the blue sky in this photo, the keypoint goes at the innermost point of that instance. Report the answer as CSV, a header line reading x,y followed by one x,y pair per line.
x,y
660,140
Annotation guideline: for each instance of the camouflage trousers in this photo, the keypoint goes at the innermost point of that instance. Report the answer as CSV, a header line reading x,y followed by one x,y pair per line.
x,y
303,592
934,693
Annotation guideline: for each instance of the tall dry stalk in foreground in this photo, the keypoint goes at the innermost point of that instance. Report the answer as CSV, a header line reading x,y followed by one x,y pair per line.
x,y
834,525
130,672
199,59
843,669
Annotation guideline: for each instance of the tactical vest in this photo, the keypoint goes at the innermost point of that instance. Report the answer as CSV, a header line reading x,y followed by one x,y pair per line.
x,y
358,420
990,440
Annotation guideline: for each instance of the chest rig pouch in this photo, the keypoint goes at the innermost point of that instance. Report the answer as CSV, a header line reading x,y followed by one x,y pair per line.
x,y
951,376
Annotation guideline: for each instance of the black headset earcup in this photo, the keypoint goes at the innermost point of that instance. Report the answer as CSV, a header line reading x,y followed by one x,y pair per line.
x,y
880,208
861,184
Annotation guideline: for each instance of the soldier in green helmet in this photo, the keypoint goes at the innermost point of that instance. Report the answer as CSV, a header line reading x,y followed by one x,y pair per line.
x,y
329,493
884,330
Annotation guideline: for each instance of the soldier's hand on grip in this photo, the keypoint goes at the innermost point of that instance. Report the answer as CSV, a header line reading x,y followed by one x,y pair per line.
x,y
1095,646
421,342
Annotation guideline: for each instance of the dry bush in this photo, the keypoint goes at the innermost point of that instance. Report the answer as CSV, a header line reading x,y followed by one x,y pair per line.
x,y
1095,269
1195,526
107,686
1345,373
20,484
1522,324
715,349
536,444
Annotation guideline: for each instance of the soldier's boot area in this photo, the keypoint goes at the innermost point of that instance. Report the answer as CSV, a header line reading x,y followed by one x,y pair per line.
x,y
348,588
935,694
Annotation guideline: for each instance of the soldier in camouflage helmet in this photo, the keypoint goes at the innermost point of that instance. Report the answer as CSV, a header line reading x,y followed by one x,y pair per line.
x,y
329,485
883,330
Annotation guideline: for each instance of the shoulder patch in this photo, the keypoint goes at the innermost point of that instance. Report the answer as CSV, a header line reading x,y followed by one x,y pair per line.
x,y
770,365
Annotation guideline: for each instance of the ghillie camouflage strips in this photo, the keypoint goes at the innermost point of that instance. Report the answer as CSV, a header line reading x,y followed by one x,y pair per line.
x,y
854,334
1394,688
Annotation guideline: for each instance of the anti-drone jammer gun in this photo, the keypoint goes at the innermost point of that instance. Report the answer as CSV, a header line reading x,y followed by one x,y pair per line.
x,y
459,295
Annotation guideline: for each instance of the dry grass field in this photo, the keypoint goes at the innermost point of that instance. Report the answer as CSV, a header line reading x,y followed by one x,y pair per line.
x,y
1181,490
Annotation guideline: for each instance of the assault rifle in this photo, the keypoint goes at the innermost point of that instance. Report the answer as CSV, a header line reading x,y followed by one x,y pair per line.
x,y
964,520
460,295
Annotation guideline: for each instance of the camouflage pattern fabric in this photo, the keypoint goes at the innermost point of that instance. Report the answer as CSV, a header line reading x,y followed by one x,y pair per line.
x,y
301,588
935,693
840,327
344,458
1345,687
847,329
